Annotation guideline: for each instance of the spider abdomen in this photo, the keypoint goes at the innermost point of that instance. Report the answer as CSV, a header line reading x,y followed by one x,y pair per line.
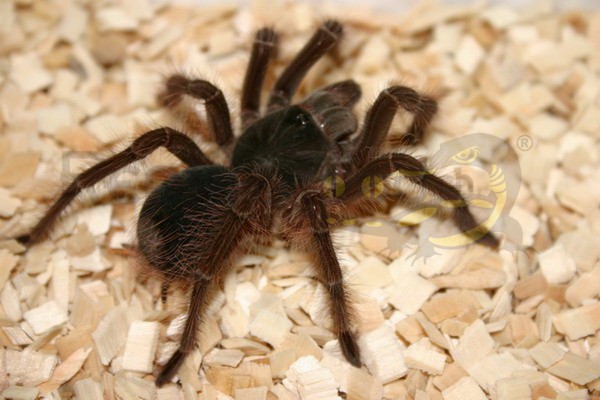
x,y
175,216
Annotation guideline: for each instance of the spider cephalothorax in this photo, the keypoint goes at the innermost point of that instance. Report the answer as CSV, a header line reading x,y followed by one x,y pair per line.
x,y
195,222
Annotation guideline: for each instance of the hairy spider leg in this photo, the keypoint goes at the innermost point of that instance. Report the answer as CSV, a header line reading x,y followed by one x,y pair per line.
x,y
175,142
197,307
308,217
411,168
217,109
379,118
319,44
263,50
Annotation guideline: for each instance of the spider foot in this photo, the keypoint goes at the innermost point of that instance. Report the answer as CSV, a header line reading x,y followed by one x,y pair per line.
x,y
349,347
171,368
25,240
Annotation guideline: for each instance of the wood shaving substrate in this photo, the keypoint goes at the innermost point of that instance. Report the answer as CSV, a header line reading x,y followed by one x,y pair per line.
x,y
78,80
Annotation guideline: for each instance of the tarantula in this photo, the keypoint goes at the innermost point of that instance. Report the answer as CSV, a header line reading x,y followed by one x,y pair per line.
x,y
193,224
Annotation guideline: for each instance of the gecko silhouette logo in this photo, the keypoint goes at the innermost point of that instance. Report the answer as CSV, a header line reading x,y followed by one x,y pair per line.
x,y
485,169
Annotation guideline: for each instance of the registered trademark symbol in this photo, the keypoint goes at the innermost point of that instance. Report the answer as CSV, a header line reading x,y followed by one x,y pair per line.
x,y
524,142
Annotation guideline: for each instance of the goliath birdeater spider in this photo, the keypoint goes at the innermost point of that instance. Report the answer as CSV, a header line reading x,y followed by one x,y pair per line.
x,y
192,225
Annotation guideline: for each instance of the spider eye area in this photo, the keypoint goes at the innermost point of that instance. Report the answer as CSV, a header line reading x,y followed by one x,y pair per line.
x,y
302,120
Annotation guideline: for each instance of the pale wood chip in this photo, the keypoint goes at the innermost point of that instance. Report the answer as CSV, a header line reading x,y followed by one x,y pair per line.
x,y
140,346
578,322
410,329
131,388
92,262
209,336
547,354
410,292
170,393
106,128
256,393
222,43
533,285
230,358
584,287
61,278
280,360
18,167
528,222
427,14
581,196
111,334
432,331
142,81
546,126
17,335
66,370
8,261
28,367
474,345
310,380
73,23
543,320
466,388
115,19
469,54
234,322
421,356
246,345
52,119
20,393
11,304
383,354
494,367
513,389
8,204
375,53
46,316
556,265
270,327
28,72
88,389
451,375
576,369
449,305
363,386
484,278
500,17
371,273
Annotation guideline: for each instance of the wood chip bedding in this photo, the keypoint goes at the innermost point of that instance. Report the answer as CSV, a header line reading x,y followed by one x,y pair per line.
x,y
79,78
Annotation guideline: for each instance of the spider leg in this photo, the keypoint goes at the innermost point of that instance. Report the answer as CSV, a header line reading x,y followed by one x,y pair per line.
x,y
177,143
310,205
246,214
320,43
411,168
379,118
216,106
262,51
197,307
